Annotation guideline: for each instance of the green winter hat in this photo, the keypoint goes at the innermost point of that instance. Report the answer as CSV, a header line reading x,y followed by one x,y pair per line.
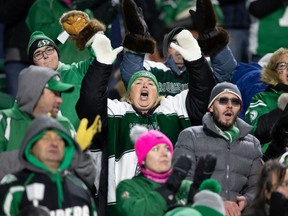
x,y
208,201
142,73
183,211
39,39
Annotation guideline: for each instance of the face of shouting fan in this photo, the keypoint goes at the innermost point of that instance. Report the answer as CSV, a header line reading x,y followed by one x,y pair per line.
x,y
143,94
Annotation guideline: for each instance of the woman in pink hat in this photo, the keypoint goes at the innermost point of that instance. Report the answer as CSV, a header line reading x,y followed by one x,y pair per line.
x,y
157,186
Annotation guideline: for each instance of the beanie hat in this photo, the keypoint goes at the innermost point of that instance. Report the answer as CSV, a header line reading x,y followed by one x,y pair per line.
x,y
145,140
139,74
32,81
39,39
221,88
183,211
169,37
208,201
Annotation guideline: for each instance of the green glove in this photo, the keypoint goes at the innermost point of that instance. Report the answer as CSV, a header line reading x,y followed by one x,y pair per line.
x,y
85,135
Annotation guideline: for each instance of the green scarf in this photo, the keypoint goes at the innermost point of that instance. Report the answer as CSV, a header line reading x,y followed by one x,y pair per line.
x,y
229,135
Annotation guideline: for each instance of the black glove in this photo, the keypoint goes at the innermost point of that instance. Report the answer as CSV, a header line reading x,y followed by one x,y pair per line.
x,y
212,37
278,204
179,172
279,135
204,169
137,38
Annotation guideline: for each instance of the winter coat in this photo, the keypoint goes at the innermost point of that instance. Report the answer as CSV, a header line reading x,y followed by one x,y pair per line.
x,y
63,191
263,113
142,198
237,164
247,78
73,74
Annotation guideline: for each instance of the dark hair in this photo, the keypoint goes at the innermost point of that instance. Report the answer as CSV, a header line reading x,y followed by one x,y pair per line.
x,y
264,184
31,210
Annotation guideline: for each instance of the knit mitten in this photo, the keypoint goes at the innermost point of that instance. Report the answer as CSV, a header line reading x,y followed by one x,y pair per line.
x,y
103,49
188,46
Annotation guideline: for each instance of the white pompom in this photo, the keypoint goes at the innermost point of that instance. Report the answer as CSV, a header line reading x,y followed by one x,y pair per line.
x,y
136,131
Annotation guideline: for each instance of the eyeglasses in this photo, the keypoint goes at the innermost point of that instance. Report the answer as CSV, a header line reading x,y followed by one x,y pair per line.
x,y
281,66
284,184
225,100
40,54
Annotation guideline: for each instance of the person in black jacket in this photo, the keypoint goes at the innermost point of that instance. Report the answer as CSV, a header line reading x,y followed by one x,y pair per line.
x,y
142,105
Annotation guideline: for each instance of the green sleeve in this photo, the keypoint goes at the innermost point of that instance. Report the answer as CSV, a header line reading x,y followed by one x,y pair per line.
x,y
3,140
134,200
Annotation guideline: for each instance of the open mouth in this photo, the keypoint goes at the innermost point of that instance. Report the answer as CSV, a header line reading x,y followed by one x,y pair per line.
x,y
144,95
228,115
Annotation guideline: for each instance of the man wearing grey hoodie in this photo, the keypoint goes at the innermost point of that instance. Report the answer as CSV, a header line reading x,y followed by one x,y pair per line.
x,y
39,92
48,154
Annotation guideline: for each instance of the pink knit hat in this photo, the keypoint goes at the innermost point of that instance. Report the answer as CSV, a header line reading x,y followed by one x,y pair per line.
x,y
147,141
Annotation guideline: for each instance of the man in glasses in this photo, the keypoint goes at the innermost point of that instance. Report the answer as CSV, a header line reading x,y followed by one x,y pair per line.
x,y
223,133
43,51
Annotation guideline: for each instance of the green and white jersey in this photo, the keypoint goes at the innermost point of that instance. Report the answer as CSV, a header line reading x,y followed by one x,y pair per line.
x,y
169,82
170,117
268,33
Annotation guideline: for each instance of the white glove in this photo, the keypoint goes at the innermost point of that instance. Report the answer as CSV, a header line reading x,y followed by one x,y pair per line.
x,y
282,101
188,46
103,49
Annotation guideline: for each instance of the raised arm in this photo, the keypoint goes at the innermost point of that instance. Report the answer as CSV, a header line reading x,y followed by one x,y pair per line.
x,y
93,93
201,79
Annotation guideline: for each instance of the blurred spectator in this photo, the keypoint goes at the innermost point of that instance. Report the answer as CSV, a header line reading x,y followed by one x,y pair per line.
x,y
269,25
236,21
16,36
272,193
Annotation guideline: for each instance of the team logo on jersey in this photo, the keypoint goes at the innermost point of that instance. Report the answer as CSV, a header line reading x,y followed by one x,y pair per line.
x,y
253,115
125,195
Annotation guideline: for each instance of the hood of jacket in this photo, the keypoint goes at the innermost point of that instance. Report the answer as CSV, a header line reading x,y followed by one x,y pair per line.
x,y
34,132
32,81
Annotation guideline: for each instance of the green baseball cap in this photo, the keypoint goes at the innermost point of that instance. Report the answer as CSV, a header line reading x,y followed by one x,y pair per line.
x,y
55,84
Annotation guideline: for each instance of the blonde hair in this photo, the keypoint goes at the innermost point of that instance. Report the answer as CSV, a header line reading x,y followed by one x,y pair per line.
x,y
269,74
